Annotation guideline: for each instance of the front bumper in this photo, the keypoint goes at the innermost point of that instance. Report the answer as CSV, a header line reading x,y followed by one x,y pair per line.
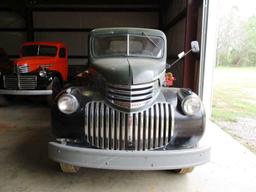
x,y
128,160
25,92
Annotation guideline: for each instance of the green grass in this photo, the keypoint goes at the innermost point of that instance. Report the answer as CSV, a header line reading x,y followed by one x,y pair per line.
x,y
234,94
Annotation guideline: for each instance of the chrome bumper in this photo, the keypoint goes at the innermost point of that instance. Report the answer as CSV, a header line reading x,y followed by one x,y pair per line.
x,y
25,92
128,160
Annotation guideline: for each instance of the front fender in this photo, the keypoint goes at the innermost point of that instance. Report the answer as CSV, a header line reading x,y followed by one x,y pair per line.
x,y
72,125
188,130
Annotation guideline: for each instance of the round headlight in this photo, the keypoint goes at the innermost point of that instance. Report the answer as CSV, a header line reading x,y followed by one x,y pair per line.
x,y
191,105
68,104
42,73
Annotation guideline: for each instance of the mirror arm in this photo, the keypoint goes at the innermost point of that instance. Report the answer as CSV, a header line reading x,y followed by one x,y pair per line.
x,y
177,60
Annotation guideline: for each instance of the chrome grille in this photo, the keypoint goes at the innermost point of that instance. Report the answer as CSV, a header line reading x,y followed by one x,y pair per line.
x,y
10,82
130,96
23,68
108,128
23,82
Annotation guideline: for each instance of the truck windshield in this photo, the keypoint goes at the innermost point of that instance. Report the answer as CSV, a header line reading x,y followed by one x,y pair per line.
x,y
128,45
38,50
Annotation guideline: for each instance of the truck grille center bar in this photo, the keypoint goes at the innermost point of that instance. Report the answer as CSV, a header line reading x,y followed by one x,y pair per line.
x,y
131,96
109,128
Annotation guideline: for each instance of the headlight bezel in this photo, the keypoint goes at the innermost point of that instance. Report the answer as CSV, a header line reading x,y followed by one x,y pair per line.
x,y
72,108
190,98
42,73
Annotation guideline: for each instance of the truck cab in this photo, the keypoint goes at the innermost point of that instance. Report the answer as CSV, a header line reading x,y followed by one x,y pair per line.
x,y
41,70
125,117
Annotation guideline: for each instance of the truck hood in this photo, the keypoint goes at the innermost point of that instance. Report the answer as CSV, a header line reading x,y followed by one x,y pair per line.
x,y
126,71
35,62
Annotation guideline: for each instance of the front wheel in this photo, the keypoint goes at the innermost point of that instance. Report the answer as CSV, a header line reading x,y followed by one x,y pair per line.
x,y
55,86
183,170
5,100
67,168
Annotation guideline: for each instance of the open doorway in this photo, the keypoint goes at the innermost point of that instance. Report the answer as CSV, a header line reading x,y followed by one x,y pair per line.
x,y
234,105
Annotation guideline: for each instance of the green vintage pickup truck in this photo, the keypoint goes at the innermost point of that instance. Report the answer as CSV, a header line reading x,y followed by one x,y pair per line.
x,y
124,117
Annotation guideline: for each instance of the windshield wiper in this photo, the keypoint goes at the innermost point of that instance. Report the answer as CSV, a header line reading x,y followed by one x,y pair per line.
x,y
151,40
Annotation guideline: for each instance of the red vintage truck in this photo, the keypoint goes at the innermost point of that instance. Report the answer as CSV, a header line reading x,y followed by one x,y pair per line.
x,y
41,70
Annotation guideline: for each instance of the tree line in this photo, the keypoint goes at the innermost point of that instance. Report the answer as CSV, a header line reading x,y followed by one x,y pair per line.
x,y
236,40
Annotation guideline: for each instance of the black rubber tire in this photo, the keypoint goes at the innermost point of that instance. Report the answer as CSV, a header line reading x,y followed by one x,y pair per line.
x,y
10,98
4,101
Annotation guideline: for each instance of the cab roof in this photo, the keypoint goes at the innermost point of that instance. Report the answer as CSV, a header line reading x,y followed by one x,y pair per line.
x,y
128,30
50,43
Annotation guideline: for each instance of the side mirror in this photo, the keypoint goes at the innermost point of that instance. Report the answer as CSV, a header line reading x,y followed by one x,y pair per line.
x,y
195,47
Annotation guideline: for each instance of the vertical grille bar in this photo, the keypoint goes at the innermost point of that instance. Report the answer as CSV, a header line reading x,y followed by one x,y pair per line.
x,y
91,123
146,130
126,130
96,126
151,137
166,124
170,122
107,127
86,124
136,130
161,132
102,139
123,131
117,135
157,126
112,129
141,131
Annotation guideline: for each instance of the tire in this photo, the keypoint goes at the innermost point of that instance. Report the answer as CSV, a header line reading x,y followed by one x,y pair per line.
x,y
183,171
4,101
67,168
10,98
56,87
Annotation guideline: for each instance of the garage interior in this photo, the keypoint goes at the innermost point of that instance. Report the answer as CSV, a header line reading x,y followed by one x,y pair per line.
x,y
24,131
71,23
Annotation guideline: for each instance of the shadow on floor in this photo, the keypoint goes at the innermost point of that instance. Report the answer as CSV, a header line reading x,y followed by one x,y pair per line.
x,y
32,153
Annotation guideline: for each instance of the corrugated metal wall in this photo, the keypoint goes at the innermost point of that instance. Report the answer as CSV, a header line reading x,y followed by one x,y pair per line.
x,y
11,40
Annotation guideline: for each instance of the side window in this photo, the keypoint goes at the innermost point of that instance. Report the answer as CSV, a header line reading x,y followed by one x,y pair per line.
x,y
62,53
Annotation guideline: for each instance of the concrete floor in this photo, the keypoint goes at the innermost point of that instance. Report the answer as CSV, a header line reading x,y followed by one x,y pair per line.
x,y
25,131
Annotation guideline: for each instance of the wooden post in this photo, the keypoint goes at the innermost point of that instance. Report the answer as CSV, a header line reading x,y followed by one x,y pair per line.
x,y
190,72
